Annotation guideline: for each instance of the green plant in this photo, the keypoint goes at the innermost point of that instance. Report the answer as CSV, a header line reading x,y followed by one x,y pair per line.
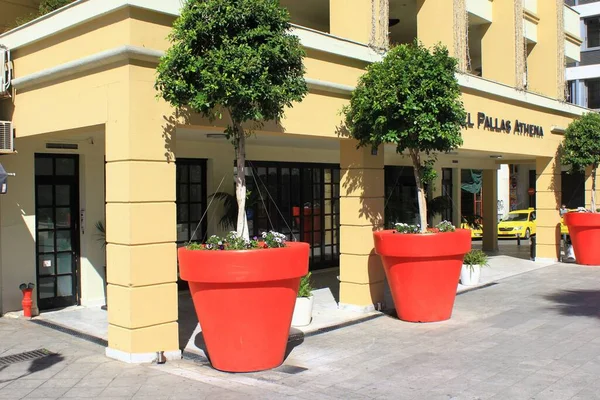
x,y
101,233
233,241
581,148
411,99
444,226
306,288
236,57
475,257
230,207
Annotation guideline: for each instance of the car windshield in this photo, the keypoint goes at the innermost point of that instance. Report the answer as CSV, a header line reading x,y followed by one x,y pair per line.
x,y
516,217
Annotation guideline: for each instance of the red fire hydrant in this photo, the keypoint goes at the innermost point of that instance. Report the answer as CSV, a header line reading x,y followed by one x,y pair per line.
x,y
27,302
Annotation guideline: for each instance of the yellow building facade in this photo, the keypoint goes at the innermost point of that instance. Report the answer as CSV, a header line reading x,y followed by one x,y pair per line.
x,y
94,144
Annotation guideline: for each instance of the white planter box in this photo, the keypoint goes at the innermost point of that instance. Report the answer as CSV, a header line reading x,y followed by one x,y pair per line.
x,y
303,311
469,275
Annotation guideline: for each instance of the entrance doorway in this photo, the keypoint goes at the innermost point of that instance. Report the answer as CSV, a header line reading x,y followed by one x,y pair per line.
x,y
57,230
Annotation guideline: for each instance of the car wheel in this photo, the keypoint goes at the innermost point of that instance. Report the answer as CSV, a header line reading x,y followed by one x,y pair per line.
x,y
527,234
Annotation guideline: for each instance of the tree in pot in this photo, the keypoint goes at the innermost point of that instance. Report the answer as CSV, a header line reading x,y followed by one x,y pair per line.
x,y
237,59
471,269
304,303
412,99
581,151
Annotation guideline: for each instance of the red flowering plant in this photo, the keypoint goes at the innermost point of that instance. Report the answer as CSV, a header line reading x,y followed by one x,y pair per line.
x,y
232,241
443,226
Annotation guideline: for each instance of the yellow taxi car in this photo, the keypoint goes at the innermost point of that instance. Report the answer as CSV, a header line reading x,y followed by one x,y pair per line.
x,y
518,223
475,226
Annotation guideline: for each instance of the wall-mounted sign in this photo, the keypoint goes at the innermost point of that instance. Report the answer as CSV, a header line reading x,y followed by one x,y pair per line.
x,y
504,125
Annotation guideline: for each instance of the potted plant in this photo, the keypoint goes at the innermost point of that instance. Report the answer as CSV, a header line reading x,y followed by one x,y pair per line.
x,y
471,269
304,303
237,59
412,99
581,151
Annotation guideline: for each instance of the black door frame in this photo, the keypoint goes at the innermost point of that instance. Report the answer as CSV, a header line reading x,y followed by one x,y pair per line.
x,y
53,179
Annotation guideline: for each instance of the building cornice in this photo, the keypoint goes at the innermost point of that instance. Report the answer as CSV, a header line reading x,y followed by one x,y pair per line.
x,y
469,82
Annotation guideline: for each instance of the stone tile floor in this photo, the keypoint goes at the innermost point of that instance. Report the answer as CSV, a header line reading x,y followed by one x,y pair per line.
x,y
531,336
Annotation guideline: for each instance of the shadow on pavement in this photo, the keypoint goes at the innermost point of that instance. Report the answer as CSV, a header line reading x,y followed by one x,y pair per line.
x,y
37,365
577,303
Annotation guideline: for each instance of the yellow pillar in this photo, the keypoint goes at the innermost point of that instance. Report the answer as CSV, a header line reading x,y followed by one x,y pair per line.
x,y
437,191
544,70
437,22
355,21
140,222
498,49
490,210
548,198
361,212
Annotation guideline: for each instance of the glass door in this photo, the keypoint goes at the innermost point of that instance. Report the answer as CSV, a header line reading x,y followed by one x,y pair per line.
x,y
57,230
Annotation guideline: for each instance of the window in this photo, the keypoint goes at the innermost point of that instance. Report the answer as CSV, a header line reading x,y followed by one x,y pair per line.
x,y
191,200
593,32
300,200
593,93
447,192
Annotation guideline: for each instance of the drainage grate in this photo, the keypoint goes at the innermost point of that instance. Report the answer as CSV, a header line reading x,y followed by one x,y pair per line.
x,y
28,355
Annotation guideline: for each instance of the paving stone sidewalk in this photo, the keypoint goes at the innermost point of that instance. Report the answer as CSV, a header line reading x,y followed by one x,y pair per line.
x,y
531,336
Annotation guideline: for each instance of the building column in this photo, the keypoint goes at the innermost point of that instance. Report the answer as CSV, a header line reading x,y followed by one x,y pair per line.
x,y
362,195
140,222
435,192
490,210
498,49
546,62
456,197
548,198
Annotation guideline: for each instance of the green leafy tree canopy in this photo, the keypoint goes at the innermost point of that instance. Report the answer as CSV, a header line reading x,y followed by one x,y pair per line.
x,y
411,99
236,57
581,147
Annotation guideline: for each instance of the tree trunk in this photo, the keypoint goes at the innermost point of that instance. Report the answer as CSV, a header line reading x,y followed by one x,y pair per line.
x,y
240,179
594,188
420,190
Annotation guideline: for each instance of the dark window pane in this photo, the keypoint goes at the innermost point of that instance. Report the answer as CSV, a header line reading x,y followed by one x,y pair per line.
x,y
182,173
65,263
63,217
183,232
65,286
195,214
182,213
593,86
182,193
196,193
43,166
45,242
65,166
196,174
44,195
63,240
44,218
46,287
63,195
46,266
593,32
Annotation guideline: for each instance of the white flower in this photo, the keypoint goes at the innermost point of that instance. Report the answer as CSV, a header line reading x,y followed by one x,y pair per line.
x,y
264,235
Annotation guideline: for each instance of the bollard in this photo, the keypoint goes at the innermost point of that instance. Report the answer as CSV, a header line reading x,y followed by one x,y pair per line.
x,y
532,248
27,302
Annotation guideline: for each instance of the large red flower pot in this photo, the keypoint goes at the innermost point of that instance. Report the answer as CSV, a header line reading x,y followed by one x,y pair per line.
x,y
423,271
584,229
244,301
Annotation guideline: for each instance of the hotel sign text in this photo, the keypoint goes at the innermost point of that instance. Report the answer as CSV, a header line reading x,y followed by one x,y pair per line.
x,y
505,125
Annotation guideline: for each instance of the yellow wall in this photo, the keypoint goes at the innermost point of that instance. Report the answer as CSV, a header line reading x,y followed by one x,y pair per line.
x,y
498,45
17,225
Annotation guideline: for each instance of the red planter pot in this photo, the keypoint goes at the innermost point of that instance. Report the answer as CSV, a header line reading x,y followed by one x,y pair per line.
x,y
584,229
423,271
244,301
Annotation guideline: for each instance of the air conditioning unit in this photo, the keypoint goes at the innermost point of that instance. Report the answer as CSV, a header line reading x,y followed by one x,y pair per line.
x,y
7,144
5,71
